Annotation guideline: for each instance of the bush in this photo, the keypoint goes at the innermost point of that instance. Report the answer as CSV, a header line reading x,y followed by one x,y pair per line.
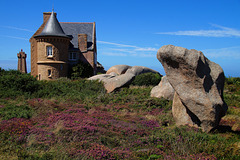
x,y
14,83
81,70
232,91
233,80
185,141
75,90
147,79
13,111
1,70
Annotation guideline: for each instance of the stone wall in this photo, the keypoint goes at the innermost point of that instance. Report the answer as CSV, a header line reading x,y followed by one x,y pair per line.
x,y
59,47
57,63
34,67
90,57
59,69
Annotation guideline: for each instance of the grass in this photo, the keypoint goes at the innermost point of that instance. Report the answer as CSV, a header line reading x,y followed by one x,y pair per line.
x,y
77,120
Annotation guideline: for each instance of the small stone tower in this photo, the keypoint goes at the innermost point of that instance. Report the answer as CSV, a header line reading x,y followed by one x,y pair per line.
x,y
52,51
22,67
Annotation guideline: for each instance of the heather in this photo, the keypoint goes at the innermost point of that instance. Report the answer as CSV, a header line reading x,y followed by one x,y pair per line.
x,y
77,119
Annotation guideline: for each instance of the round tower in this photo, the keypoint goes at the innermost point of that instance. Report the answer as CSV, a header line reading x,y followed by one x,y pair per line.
x,y
52,51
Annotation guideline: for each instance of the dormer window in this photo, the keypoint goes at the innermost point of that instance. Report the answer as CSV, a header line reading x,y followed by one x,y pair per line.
x,y
49,51
73,56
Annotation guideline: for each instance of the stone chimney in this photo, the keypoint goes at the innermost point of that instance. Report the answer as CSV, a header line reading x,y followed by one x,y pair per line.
x,y
22,66
46,16
82,42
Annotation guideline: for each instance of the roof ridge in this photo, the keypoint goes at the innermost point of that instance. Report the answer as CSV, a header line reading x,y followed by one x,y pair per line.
x,y
78,22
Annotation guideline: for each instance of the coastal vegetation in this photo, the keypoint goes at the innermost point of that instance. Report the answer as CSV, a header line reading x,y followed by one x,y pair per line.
x,y
77,119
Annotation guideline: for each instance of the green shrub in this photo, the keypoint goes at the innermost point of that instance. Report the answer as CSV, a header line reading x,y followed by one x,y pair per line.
x,y
14,83
154,156
232,99
183,141
233,80
73,90
81,70
1,70
147,79
127,95
13,111
232,91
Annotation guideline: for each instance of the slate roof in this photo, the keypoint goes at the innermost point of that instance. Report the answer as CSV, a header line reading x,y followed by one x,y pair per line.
x,y
52,28
73,29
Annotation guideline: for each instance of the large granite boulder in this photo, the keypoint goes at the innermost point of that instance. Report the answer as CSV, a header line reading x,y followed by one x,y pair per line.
x,y
113,81
119,69
119,76
163,89
136,70
117,82
102,77
198,83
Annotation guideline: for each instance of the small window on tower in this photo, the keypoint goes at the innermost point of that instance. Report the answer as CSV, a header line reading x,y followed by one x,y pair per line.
x,y
49,51
72,56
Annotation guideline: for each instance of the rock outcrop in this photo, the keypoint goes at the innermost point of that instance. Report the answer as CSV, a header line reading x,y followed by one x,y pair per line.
x,y
136,70
117,82
113,81
119,76
119,69
198,83
101,77
163,89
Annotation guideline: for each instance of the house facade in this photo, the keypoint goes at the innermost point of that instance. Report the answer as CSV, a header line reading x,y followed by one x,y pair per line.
x,y
56,46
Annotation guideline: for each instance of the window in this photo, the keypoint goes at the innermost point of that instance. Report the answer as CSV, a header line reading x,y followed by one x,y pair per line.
x,y
72,56
49,51
49,73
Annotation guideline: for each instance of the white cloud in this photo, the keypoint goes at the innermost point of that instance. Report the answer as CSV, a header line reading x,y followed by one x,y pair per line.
x,y
114,54
117,49
16,28
116,44
230,52
146,49
14,37
146,55
220,32
122,50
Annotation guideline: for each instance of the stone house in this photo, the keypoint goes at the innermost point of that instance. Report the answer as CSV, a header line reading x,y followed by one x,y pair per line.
x,y
56,46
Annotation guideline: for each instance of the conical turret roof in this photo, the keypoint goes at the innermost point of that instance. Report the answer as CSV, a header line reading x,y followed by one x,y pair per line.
x,y
52,28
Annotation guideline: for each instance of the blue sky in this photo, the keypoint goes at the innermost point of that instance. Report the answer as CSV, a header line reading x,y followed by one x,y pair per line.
x,y
131,31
